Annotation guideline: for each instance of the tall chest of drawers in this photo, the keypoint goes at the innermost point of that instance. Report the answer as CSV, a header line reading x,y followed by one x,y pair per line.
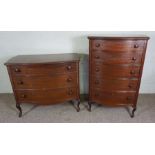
x,y
44,79
115,70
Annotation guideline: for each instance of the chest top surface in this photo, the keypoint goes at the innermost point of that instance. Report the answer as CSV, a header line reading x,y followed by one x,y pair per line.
x,y
138,37
43,59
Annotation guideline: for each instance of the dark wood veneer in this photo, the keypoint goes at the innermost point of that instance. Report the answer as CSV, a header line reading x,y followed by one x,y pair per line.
x,y
113,98
44,79
113,57
48,96
115,69
52,81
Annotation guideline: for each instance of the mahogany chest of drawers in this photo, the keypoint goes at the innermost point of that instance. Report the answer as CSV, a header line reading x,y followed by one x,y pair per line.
x,y
115,70
44,79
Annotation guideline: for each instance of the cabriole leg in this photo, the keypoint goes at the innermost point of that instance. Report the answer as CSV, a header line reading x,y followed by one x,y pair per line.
x,y
89,106
133,112
20,109
78,105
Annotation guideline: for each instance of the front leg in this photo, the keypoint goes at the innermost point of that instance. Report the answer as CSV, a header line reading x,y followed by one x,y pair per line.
x,y
20,109
133,112
89,106
78,105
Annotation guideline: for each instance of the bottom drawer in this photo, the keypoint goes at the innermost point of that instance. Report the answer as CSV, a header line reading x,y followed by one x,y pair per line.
x,y
46,96
113,99
115,84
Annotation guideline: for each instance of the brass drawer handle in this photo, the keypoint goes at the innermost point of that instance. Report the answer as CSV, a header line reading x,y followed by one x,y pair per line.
x,y
20,82
23,96
70,92
136,46
69,79
17,70
97,45
69,67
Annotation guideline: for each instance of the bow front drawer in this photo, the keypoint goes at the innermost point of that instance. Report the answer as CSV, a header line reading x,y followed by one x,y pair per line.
x,y
118,45
115,71
47,96
115,84
113,98
45,82
43,69
113,57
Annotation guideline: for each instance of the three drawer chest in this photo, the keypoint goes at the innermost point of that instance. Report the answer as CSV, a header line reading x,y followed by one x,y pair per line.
x,y
115,70
44,79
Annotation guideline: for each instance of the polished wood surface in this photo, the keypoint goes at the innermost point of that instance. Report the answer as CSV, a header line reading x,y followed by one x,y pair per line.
x,y
48,96
115,69
113,98
120,57
43,59
43,69
117,45
38,82
124,37
110,84
45,79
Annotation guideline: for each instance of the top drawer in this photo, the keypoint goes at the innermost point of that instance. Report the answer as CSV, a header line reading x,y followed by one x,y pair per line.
x,y
44,69
118,45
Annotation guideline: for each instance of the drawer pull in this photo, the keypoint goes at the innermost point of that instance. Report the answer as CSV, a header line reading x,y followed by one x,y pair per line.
x,y
20,82
69,79
136,46
23,96
97,57
132,72
98,45
134,59
97,69
69,67
17,70
70,92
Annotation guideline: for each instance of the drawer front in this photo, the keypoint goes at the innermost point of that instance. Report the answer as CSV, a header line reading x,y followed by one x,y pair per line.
x,y
115,85
46,97
115,71
118,45
45,82
113,99
45,69
113,57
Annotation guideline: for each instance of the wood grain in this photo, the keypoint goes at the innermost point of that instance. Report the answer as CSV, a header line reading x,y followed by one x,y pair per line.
x,y
115,69
44,79
47,96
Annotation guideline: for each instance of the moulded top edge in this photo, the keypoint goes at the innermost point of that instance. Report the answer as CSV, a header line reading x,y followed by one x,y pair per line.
x,y
140,37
